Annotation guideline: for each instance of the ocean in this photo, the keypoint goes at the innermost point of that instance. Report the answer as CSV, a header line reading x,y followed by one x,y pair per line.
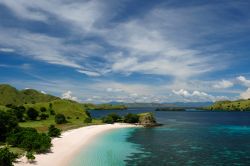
x,y
187,138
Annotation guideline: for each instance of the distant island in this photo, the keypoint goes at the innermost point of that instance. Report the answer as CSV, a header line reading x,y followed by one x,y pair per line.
x,y
238,105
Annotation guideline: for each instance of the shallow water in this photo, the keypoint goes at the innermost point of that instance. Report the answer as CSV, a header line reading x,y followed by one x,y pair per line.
x,y
187,138
110,149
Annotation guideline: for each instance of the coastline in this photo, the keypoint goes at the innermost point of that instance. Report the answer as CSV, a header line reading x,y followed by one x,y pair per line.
x,y
69,144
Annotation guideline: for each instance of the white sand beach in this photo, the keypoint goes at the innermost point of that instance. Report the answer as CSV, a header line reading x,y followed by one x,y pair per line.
x,y
69,144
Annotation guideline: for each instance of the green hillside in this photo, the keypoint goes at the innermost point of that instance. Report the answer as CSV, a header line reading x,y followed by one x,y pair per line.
x,y
238,105
68,108
73,111
10,95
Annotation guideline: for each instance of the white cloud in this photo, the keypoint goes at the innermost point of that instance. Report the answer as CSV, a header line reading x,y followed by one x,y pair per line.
x,y
89,73
244,81
146,45
246,94
68,95
197,96
114,90
7,50
43,92
223,84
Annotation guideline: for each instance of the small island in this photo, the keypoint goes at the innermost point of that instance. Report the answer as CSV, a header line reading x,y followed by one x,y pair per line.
x,y
238,105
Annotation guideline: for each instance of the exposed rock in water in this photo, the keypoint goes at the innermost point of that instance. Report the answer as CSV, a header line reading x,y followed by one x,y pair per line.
x,y
147,120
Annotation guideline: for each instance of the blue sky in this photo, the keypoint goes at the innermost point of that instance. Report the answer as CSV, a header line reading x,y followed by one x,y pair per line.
x,y
127,50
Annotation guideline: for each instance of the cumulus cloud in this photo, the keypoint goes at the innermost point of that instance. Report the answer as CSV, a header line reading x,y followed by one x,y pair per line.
x,y
223,84
68,95
43,92
246,94
197,96
244,81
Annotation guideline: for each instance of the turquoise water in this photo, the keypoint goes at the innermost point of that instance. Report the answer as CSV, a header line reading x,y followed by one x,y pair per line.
x,y
186,139
109,149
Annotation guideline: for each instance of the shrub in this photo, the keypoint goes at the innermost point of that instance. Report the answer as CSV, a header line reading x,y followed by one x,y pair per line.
x,y
111,118
60,119
88,113
6,157
29,139
43,109
115,117
52,112
131,118
44,116
18,112
8,123
87,120
30,156
32,113
53,131
108,119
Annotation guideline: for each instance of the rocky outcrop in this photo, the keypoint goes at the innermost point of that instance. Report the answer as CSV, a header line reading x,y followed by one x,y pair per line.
x,y
147,120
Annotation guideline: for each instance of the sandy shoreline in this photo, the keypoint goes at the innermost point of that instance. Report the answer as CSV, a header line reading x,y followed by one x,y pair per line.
x,y
69,144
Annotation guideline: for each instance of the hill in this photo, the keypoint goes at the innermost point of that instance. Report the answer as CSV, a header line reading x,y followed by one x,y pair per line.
x,y
68,108
10,95
238,105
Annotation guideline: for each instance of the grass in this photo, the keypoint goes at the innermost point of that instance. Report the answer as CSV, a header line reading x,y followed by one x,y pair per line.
x,y
66,107
18,151
42,125
3,108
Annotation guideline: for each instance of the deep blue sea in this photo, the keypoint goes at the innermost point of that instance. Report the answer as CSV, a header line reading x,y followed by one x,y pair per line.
x,y
195,138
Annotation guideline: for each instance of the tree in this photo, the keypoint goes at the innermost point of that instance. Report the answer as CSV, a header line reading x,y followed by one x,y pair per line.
x,y
53,131
131,118
29,139
30,156
8,122
115,117
6,157
108,119
111,118
60,119
52,112
44,116
87,120
43,109
32,113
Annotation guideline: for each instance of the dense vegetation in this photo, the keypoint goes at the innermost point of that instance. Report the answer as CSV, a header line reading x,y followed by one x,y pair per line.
x,y
26,138
112,118
29,139
238,105
53,131
6,157
145,119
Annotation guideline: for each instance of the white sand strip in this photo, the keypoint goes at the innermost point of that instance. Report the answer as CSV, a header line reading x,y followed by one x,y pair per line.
x,y
69,144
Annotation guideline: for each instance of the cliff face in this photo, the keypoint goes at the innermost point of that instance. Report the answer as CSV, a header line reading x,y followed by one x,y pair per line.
x,y
147,119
